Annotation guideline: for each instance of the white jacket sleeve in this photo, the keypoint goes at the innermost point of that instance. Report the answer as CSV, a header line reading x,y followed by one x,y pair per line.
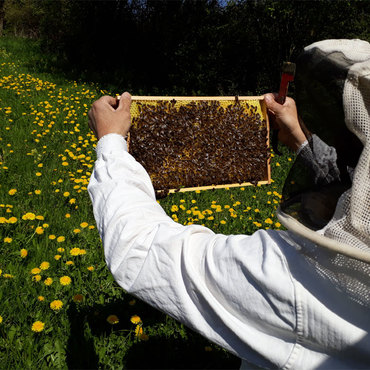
x,y
235,290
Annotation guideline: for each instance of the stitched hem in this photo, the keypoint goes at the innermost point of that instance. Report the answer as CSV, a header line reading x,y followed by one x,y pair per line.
x,y
299,330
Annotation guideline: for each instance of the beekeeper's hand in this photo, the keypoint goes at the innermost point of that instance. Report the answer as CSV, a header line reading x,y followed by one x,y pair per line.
x,y
106,117
286,120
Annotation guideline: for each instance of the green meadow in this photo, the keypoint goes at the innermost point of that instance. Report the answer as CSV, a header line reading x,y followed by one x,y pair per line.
x,y
59,305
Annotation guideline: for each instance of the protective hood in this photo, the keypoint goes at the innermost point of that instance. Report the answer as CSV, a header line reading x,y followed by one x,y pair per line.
x,y
326,197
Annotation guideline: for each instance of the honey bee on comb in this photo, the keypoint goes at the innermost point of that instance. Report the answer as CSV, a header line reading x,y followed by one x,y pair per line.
x,y
199,143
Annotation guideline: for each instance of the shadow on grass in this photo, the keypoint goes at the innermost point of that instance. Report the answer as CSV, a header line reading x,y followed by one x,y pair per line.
x,y
171,348
80,348
179,353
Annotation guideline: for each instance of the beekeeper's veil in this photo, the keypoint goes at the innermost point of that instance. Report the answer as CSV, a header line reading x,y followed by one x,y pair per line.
x,y
326,197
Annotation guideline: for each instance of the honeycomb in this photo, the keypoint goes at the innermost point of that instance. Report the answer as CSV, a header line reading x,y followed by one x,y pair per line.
x,y
188,143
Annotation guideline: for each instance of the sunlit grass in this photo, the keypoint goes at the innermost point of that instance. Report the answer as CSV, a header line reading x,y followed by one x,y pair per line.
x,y
59,304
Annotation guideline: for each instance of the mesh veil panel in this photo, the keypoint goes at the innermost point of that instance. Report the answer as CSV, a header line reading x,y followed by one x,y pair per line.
x,y
349,226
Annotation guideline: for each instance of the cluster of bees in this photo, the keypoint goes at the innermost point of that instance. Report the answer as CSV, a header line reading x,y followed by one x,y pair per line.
x,y
199,143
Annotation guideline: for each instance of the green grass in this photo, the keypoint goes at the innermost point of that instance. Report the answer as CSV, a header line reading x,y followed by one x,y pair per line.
x,y
46,159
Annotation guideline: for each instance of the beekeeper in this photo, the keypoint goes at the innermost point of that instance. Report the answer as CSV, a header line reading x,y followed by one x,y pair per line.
x,y
296,299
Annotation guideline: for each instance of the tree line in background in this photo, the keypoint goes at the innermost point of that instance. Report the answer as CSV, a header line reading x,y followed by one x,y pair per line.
x,y
187,47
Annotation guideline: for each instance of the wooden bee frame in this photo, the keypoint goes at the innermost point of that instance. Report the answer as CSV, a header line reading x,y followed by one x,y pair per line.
x,y
223,101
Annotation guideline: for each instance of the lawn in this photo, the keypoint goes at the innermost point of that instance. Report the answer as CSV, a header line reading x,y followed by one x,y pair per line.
x,y
59,304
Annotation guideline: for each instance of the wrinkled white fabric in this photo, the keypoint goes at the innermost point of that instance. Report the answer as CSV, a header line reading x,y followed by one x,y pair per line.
x,y
254,295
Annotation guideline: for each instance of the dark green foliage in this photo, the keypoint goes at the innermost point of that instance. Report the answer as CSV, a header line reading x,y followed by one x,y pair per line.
x,y
204,47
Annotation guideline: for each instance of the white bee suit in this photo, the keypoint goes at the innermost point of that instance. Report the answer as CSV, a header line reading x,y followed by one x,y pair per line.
x,y
256,296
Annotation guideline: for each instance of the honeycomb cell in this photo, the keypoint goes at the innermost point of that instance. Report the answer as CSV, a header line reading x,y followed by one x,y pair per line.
x,y
200,143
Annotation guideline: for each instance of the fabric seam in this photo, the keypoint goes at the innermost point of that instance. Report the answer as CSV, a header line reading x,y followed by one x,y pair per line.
x,y
299,328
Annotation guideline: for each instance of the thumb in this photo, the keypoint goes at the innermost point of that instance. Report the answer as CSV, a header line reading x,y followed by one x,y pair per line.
x,y
271,103
125,102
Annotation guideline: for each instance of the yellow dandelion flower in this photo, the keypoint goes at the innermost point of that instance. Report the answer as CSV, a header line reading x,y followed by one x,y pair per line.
x,y
269,221
76,231
91,268
56,305
84,224
8,240
66,194
72,201
44,265
135,319
112,319
78,298
82,252
1,319
35,271
65,280
52,237
39,230
39,217
174,208
74,251
48,281
23,253
12,220
91,227
45,226
41,298
57,257
37,192
138,331
67,215
12,191
256,210
38,174
61,239
60,249
36,278
223,222
277,224
38,326
3,220
29,216
70,263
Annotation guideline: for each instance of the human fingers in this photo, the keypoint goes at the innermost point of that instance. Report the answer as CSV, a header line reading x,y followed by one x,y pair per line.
x,y
91,121
271,103
92,127
125,102
107,101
